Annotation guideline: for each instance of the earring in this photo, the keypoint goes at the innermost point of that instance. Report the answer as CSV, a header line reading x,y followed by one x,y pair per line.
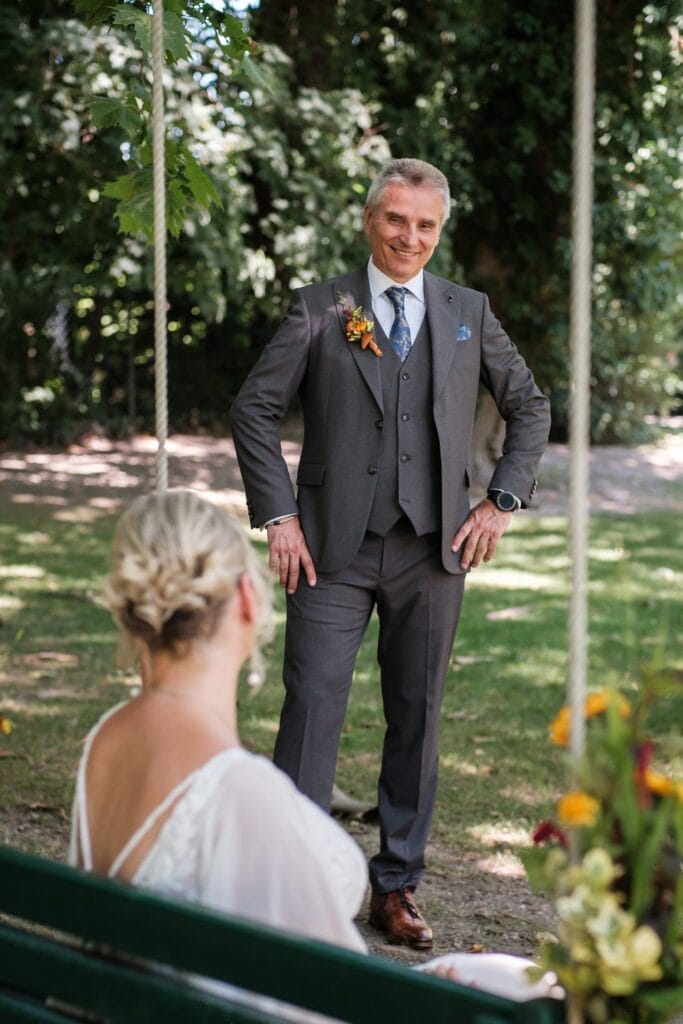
x,y
257,670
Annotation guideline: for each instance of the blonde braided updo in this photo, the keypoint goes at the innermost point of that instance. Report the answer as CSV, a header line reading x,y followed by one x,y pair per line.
x,y
176,561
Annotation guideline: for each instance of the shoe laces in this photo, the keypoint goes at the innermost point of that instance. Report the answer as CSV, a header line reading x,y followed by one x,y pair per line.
x,y
406,900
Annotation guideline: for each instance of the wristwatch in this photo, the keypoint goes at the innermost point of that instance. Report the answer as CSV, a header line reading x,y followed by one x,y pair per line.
x,y
506,501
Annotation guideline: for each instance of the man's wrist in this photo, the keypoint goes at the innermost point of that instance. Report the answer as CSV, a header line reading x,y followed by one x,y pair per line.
x,y
279,520
505,501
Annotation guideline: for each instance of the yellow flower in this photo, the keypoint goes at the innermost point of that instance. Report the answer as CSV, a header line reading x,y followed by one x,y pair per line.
x,y
596,704
599,868
577,809
560,726
5,726
646,949
658,784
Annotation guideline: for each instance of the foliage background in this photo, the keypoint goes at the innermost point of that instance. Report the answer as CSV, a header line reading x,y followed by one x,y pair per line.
x,y
483,90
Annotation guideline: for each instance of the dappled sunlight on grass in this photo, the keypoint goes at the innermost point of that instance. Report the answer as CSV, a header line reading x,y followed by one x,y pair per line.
x,y
498,833
517,579
27,572
505,864
460,766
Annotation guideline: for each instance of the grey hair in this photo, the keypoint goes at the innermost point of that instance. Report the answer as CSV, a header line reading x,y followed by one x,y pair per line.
x,y
417,174
176,561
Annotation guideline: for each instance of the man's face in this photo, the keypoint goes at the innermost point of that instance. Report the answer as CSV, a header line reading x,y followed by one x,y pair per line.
x,y
404,229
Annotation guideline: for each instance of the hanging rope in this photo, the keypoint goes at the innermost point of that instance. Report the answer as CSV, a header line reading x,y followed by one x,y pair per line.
x,y
159,179
580,343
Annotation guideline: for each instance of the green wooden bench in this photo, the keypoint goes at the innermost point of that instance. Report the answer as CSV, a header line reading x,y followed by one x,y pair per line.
x,y
74,947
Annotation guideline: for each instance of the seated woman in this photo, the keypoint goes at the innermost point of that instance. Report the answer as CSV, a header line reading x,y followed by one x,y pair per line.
x,y
166,797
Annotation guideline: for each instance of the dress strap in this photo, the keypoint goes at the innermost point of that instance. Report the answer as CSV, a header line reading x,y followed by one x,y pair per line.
x,y
147,824
82,827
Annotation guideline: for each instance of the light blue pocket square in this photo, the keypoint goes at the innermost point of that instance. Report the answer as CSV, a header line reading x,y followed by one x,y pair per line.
x,y
464,333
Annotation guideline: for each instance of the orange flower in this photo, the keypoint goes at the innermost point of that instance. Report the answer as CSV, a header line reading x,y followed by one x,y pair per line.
x,y
596,704
577,809
662,785
5,726
560,727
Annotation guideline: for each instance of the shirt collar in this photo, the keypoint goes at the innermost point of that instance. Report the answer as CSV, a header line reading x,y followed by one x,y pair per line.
x,y
379,282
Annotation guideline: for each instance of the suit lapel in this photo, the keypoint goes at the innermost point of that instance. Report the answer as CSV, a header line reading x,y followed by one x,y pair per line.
x,y
355,289
443,310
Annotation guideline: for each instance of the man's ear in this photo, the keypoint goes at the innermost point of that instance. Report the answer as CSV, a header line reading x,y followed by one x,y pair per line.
x,y
367,217
247,599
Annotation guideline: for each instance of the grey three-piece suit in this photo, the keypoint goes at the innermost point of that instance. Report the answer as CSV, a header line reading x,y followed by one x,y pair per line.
x,y
382,487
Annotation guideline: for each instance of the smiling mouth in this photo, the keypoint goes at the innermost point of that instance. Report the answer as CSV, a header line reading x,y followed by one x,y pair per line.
x,y
403,252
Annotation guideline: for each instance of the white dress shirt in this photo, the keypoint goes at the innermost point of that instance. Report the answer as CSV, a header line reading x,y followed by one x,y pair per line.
x,y
382,306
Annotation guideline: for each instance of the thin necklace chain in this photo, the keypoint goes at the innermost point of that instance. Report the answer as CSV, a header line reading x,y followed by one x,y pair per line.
x,y
179,695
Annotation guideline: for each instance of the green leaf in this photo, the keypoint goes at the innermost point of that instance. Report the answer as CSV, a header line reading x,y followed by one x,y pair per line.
x,y
176,207
94,11
108,112
175,37
121,188
138,21
231,37
257,76
200,184
663,999
136,215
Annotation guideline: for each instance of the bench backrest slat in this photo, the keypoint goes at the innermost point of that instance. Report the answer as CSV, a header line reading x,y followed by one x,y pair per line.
x,y
346,985
92,983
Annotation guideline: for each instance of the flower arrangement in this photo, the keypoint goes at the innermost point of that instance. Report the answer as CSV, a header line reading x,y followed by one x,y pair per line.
x,y
613,861
358,326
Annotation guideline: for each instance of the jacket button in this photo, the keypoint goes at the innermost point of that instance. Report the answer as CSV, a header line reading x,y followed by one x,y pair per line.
x,y
405,376
372,470
379,424
405,416
405,458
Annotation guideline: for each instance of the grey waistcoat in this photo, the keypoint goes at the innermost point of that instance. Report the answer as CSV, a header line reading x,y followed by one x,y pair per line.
x,y
408,481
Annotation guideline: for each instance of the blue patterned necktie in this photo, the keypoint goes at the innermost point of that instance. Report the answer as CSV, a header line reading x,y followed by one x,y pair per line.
x,y
400,331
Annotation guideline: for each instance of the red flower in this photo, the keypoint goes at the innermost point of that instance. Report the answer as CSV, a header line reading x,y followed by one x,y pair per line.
x,y
548,830
644,754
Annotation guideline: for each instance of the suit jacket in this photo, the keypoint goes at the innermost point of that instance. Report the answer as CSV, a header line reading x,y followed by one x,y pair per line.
x,y
339,385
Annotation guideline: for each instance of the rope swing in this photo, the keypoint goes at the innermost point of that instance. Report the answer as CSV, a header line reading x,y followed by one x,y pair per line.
x,y
159,181
580,344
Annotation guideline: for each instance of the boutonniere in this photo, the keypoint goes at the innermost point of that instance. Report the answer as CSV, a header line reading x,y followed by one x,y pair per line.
x,y
358,325
464,333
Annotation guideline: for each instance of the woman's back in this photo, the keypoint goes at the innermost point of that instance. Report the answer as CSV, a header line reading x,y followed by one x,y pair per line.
x,y
232,831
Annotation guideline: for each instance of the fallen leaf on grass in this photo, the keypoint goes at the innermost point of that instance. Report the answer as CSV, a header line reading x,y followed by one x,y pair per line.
x,y
8,753
47,809
59,657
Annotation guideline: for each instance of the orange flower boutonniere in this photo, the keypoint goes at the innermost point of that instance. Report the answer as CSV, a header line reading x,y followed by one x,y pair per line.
x,y
358,325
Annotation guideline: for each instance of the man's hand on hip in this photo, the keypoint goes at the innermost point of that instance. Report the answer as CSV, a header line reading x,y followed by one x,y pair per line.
x,y
480,533
288,554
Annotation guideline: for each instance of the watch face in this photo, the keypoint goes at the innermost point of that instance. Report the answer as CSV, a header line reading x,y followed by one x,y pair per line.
x,y
506,501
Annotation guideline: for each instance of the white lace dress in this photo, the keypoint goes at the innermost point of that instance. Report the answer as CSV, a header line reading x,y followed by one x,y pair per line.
x,y
241,839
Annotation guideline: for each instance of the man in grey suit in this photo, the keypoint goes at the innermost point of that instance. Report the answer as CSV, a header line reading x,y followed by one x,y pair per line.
x,y
387,362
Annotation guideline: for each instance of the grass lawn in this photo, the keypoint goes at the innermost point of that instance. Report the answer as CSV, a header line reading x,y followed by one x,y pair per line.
x,y
499,774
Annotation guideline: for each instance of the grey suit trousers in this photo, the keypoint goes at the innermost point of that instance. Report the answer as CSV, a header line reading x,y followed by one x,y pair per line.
x,y
418,605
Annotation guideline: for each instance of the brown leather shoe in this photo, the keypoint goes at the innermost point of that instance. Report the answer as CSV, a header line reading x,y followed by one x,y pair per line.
x,y
396,914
